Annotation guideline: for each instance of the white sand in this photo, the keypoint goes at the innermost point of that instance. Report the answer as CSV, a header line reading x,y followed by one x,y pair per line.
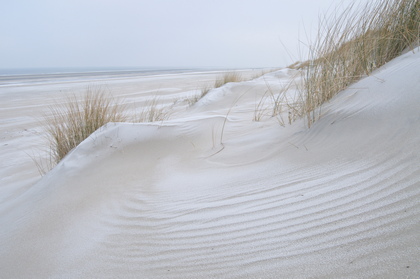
x,y
179,199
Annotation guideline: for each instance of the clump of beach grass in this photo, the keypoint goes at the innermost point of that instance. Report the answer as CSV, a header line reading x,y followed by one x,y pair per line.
x,y
226,78
220,81
263,72
352,44
192,100
204,90
153,112
69,123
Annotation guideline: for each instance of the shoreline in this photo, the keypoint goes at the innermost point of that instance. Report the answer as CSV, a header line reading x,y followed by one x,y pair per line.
x,y
35,78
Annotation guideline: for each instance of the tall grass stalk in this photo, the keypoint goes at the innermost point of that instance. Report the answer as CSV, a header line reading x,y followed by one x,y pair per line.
x,y
352,44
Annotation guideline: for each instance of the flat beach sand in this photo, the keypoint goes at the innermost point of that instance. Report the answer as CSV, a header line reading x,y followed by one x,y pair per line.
x,y
211,193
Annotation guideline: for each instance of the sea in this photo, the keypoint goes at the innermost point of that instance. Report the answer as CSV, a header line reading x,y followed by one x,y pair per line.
x,y
16,77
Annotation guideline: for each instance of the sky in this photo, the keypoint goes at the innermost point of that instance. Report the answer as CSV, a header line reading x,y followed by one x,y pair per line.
x,y
156,33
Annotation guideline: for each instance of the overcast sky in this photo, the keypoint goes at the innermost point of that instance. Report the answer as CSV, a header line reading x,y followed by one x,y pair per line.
x,y
155,33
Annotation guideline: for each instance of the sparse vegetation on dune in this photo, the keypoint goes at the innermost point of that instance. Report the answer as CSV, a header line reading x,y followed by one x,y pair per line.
x,y
153,112
73,121
224,79
204,90
264,72
70,123
352,44
220,81
228,77
277,102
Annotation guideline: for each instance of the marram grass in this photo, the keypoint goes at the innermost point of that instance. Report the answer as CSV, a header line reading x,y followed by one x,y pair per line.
x,y
352,44
72,122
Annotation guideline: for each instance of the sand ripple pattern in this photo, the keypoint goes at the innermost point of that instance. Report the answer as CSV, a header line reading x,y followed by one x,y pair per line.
x,y
336,217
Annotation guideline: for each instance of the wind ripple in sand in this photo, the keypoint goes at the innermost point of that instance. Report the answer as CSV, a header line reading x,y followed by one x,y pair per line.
x,y
281,227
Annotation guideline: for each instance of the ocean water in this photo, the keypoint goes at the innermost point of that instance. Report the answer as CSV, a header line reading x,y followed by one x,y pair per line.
x,y
16,77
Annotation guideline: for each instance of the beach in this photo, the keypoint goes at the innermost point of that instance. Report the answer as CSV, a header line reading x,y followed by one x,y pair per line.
x,y
219,189
27,96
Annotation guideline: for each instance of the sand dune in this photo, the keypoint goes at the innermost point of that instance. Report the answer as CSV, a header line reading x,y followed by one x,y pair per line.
x,y
212,194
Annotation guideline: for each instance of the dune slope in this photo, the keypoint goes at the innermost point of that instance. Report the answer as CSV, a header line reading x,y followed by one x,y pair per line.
x,y
212,194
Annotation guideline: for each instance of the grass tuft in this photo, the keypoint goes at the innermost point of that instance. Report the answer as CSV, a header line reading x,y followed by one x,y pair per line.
x,y
204,90
226,78
153,112
220,81
72,122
